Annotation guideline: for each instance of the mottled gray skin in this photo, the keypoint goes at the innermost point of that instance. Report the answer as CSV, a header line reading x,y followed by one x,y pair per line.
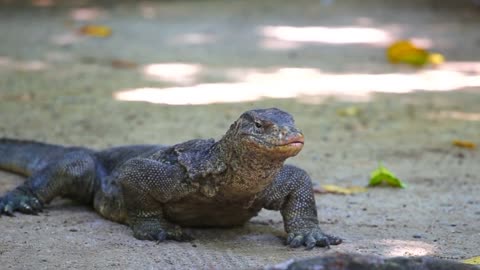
x,y
156,190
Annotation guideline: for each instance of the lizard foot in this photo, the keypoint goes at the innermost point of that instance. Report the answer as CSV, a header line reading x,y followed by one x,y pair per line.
x,y
311,238
155,230
20,200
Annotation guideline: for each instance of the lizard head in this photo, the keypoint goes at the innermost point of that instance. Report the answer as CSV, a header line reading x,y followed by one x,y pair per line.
x,y
270,132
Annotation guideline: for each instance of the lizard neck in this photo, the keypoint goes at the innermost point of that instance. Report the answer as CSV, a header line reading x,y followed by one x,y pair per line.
x,y
248,171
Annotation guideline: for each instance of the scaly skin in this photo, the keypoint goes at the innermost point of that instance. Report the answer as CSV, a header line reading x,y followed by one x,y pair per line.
x,y
157,190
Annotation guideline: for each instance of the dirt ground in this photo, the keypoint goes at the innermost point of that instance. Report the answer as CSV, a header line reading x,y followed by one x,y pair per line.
x,y
313,59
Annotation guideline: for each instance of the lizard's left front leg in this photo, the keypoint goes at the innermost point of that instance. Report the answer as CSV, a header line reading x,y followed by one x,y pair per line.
x,y
292,194
147,185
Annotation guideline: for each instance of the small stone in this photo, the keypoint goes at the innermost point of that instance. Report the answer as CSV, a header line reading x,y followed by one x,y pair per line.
x,y
417,236
73,230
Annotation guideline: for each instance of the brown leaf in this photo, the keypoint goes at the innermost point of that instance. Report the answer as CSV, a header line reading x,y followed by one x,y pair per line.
x,y
343,190
94,30
123,64
464,144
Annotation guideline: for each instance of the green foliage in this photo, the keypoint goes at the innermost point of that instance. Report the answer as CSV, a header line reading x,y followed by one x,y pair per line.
x,y
382,174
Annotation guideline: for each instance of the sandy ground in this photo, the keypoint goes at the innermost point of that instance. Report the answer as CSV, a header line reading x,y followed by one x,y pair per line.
x,y
59,87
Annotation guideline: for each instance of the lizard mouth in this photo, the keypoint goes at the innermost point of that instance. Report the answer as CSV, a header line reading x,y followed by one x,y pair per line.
x,y
286,147
292,142
296,141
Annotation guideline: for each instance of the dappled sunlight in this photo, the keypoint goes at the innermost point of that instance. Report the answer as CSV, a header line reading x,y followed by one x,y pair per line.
x,y
254,84
193,39
328,35
179,73
31,65
65,39
275,44
394,248
423,43
147,10
199,94
86,14
454,115
467,67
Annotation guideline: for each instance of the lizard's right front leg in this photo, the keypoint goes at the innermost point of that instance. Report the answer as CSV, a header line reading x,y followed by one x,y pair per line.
x,y
147,185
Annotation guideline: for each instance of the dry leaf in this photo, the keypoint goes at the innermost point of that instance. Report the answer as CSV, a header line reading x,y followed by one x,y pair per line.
x,y
94,30
117,63
473,260
404,51
464,144
436,59
343,190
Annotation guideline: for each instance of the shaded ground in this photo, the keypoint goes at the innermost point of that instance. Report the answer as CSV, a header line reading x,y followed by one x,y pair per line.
x,y
58,87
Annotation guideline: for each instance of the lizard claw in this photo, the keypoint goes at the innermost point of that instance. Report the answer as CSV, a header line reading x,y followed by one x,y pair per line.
x,y
8,210
311,238
153,230
160,237
20,200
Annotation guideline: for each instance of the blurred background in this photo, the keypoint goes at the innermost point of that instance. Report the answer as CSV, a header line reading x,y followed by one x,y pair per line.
x,y
204,52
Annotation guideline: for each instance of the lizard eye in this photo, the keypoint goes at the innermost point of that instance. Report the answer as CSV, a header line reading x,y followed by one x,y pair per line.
x,y
258,124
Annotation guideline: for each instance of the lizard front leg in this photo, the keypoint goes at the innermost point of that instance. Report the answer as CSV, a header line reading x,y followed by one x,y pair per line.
x,y
147,185
292,194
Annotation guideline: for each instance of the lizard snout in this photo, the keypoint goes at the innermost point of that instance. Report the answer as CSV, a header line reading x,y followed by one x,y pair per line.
x,y
291,135
295,138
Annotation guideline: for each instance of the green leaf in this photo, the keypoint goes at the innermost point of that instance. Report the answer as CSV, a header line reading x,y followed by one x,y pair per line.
x,y
382,174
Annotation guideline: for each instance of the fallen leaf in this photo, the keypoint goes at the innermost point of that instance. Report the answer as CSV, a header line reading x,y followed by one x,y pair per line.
x,y
382,174
473,260
94,30
464,144
117,63
21,97
404,51
319,190
436,59
343,190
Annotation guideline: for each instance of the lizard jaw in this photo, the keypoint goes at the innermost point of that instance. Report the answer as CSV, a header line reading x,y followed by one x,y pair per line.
x,y
294,141
288,147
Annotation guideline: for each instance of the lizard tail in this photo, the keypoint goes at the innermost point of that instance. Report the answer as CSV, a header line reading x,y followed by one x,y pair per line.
x,y
25,157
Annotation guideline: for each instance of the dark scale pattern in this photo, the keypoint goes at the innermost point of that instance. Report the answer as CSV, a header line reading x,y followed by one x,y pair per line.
x,y
154,189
